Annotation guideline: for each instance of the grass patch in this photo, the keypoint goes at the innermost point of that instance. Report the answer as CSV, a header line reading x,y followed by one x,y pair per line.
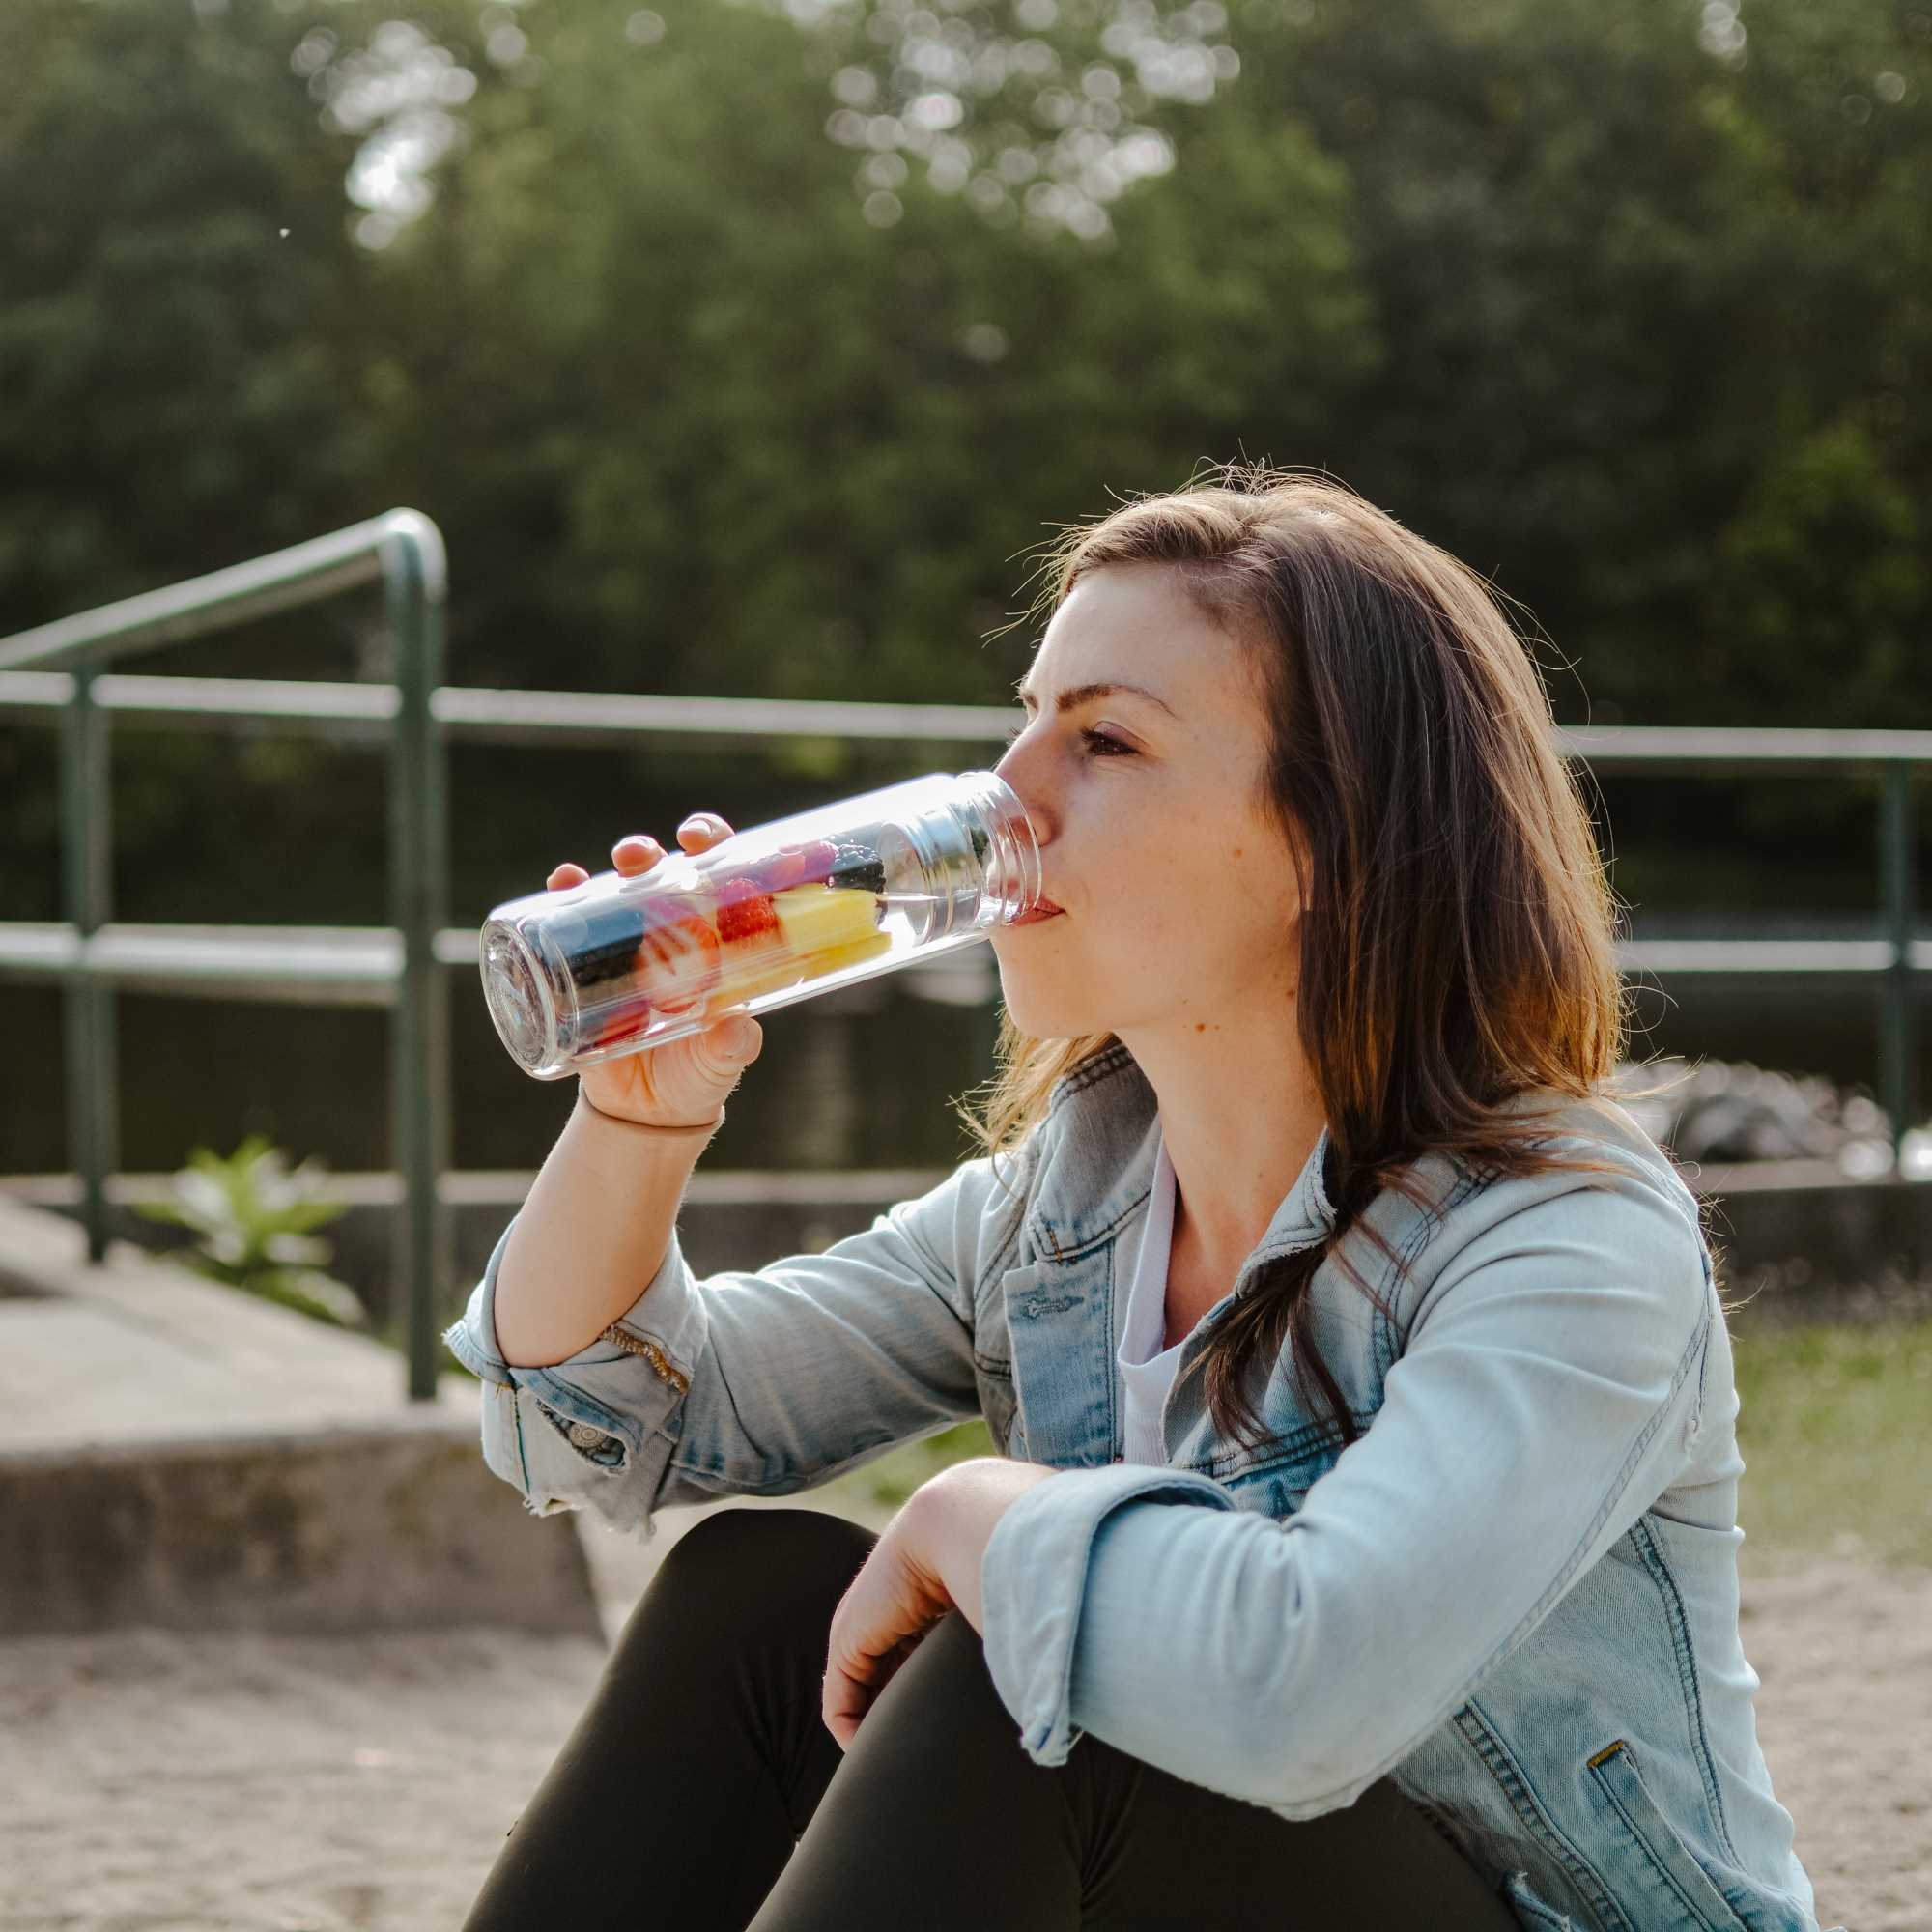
x,y
1836,1430
886,1484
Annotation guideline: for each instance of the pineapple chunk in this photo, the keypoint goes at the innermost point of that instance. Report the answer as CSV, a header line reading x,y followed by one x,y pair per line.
x,y
821,929
816,917
765,971
836,959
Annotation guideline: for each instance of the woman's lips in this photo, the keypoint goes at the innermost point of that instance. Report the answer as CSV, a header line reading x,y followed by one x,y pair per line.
x,y
1041,909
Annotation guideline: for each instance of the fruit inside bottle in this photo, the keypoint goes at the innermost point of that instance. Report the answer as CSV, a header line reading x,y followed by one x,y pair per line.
x,y
796,915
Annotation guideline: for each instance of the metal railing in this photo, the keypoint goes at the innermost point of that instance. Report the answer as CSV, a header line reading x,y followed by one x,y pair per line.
x,y
404,551
55,670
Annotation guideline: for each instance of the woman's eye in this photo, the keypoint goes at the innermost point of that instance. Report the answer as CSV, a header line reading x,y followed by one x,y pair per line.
x,y
1098,743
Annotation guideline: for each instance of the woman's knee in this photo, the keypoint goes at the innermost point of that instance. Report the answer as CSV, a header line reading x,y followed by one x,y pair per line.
x,y
941,1702
787,1561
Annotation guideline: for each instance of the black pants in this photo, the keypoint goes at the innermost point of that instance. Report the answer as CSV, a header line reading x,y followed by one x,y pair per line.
x,y
702,1761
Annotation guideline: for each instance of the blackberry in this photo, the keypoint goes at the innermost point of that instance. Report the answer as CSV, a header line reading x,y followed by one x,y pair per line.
x,y
860,868
601,944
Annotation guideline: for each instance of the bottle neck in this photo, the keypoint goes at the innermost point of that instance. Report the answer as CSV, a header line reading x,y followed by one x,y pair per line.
x,y
1011,855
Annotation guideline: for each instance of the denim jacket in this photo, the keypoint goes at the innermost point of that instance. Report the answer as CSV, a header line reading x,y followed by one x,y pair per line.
x,y
1516,1594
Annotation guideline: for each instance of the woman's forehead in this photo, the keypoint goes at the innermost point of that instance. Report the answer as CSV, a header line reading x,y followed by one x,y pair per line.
x,y
1135,627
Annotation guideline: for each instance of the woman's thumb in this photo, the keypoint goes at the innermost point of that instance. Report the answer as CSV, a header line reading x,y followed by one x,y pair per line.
x,y
740,1038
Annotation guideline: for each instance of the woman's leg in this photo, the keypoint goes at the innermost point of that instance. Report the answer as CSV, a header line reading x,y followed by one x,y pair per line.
x,y
678,1796
704,1756
937,1820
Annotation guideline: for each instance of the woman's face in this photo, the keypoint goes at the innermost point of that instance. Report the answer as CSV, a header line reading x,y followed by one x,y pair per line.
x,y
1178,898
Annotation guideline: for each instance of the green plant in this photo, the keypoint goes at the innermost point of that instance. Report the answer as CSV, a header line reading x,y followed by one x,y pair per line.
x,y
255,1217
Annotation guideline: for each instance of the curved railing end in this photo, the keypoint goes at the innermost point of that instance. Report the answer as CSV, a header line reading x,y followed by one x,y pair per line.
x,y
411,531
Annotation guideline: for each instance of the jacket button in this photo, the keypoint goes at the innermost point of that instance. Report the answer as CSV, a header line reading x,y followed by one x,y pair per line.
x,y
583,1436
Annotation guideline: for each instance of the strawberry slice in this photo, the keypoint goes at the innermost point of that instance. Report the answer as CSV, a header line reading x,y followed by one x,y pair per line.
x,y
746,915
678,958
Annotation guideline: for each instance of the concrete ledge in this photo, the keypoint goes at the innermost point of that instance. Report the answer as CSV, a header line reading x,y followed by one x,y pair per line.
x,y
175,1452
386,1525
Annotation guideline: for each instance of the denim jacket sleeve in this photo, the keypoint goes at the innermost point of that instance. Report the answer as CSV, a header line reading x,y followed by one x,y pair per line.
x,y
758,1383
1548,1389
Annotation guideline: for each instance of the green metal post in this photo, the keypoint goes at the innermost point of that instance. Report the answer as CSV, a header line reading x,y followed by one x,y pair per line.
x,y
413,583
1898,1032
87,820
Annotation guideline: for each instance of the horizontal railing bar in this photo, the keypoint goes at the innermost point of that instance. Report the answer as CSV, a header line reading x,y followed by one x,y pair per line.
x,y
1798,956
352,952
533,716
303,573
477,712
1648,747
371,956
208,700
343,965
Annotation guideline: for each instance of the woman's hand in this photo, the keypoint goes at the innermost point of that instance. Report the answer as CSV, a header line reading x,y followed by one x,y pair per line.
x,y
926,1564
682,1083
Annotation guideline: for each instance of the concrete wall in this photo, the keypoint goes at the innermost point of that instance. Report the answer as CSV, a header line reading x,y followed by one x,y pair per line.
x,y
386,1527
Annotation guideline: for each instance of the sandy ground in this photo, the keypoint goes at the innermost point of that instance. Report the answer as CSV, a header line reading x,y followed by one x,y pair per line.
x,y
168,1783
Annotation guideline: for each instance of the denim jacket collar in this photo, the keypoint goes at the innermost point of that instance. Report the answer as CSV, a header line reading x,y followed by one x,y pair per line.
x,y
1065,1307
1097,1154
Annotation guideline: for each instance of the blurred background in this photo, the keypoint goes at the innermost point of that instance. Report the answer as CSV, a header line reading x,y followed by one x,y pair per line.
x,y
754,348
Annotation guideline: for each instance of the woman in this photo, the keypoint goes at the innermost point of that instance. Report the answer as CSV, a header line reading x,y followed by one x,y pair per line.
x,y
1365,1507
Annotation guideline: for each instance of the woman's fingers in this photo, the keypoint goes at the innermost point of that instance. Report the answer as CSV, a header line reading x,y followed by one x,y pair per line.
x,y
702,830
638,852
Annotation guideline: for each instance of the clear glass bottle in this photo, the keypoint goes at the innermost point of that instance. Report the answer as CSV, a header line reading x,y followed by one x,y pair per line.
x,y
772,914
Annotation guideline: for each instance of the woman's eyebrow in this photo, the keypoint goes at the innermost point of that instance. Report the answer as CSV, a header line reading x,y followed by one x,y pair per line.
x,y
1079,693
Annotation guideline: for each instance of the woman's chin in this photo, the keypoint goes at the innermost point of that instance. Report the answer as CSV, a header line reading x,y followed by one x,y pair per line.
x,y
1041,1018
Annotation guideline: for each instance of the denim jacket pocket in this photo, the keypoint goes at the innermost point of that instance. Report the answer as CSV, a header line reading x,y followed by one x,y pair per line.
x,y
1530,1910
597,1435
1679,1895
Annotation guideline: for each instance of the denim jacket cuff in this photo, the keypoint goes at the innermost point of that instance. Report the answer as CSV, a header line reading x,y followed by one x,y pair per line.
x,y
473,1338
668,1312
562,1433
1033,1579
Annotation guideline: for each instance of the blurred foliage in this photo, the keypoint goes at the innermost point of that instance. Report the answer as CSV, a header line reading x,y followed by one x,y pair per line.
x,y
717,379
254,1220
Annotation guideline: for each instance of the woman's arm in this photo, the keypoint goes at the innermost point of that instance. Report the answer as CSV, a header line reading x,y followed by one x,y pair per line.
x,y
1548,1391
926,1564
757,1382
597,1221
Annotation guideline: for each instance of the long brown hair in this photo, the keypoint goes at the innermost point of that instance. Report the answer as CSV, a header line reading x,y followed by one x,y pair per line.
x,y
1458,938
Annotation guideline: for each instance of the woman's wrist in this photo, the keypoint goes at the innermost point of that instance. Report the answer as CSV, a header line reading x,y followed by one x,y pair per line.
x,y
589,1106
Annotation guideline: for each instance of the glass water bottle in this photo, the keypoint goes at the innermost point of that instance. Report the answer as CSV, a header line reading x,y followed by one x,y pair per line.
x,y
772,914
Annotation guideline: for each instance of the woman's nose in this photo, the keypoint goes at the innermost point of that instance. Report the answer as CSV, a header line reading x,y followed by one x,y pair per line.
x,y
1017,770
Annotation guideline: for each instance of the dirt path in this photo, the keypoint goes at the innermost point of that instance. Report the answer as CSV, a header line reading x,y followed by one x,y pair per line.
x,y
163,1782
1845,1718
